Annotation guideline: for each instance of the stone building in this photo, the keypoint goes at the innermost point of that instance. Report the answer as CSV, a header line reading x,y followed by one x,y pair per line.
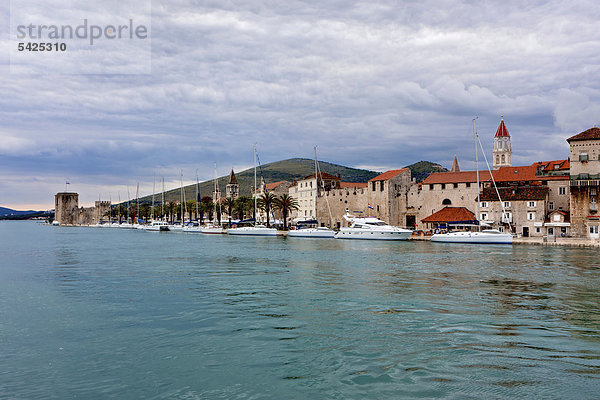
x,y
233,188
584,182
502,152
66,208
384,197
304,191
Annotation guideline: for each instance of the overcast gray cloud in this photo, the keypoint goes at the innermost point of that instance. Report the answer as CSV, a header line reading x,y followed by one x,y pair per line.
x,y
381,83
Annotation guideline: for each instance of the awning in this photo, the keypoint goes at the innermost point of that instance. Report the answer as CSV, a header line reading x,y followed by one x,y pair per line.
x,y
557,224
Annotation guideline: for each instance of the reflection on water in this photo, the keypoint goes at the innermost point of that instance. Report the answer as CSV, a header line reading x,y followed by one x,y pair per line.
x,y
132,314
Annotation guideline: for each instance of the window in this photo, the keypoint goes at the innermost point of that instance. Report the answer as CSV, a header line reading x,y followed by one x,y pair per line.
x,y
373,185
503,159
310,183
446,202
443,186
538,229
430,187
468,184
551,206
531,204
550,231
583,157
562,190
507,204
455,185
483,216
507,218
381,186
556,218
530,216
592,191
483,204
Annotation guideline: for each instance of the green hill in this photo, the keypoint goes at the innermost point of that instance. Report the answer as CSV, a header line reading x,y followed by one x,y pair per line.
x,y
286,170
422,169
289,170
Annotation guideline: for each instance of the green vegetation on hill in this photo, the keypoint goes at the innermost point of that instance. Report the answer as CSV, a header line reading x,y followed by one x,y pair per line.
x,y
289,170
422,169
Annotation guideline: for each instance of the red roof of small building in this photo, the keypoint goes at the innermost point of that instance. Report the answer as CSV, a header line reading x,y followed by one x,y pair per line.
x,y
355,185
449,214
557,165
502,131
271,186
322,175
590,134
388,174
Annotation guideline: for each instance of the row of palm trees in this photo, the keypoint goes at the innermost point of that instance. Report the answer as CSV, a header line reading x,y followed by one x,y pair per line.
x,y
238,208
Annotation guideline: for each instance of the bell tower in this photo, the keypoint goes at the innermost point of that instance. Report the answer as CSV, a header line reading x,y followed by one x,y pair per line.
x,y
502,148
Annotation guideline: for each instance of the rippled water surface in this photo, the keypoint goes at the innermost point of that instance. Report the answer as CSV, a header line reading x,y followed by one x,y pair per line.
x,y
108,313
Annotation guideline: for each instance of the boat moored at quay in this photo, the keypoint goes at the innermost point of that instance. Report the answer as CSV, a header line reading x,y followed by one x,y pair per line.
x,y
371,228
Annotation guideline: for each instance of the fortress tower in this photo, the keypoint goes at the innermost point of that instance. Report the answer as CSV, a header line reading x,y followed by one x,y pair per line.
x,y
66,208
502,148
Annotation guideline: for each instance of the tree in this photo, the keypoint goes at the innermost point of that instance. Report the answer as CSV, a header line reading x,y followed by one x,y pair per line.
x,y
191,208
265,203
230,204
243,205
285,203
207,206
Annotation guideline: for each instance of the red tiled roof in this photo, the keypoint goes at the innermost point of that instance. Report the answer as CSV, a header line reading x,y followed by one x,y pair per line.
x,y
271,186
356,185
502,131
522,193
590,134
456,177
449,214
388,174
512,174
548,166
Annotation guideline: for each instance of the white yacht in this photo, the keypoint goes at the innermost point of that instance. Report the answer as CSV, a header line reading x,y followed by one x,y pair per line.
x,y
489,236
371,228
212,229
256,230
318,232
158,226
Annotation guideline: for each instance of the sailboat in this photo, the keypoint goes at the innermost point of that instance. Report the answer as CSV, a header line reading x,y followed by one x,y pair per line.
x,y
256,230
214,228
488,236
318,232
194,226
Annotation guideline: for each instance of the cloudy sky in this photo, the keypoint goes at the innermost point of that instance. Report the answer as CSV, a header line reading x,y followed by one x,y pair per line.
x,y
377,84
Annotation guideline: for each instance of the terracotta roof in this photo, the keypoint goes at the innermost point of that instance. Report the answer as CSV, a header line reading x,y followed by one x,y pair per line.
x,y
449,214
388,174
502,131
590,134
557,165
322,175
521,193
356,185
456,177
271,186
513,174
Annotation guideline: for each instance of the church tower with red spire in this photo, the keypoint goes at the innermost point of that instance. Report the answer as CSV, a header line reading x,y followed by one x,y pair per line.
x,y
502,148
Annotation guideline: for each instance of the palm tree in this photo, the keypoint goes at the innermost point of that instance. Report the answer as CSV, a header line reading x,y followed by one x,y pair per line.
x,y
285,203
207,206
230,204
265,203
242,205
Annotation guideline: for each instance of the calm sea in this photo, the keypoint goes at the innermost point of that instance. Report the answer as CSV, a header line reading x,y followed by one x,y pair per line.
x,y
106,313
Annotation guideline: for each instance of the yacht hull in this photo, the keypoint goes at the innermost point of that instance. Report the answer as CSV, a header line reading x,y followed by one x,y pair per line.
x,y
252,231
312,233
472,237
350,233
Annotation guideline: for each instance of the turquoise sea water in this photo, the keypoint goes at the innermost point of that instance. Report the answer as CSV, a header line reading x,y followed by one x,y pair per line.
x,y
106,313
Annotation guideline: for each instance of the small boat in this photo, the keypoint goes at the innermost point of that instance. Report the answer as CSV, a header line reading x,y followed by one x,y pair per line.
x,y
158,226
371,228
257,230
212,229
489,236
319,232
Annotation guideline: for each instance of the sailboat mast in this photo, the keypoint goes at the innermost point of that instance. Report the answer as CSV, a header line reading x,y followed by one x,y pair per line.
x,y
153,190
255,199
216,199
197,193
181,197
477,169
316,189
162,202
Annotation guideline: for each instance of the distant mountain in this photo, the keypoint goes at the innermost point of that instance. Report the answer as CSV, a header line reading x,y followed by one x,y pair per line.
x,y
7,211
422,169
289,170
286,170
